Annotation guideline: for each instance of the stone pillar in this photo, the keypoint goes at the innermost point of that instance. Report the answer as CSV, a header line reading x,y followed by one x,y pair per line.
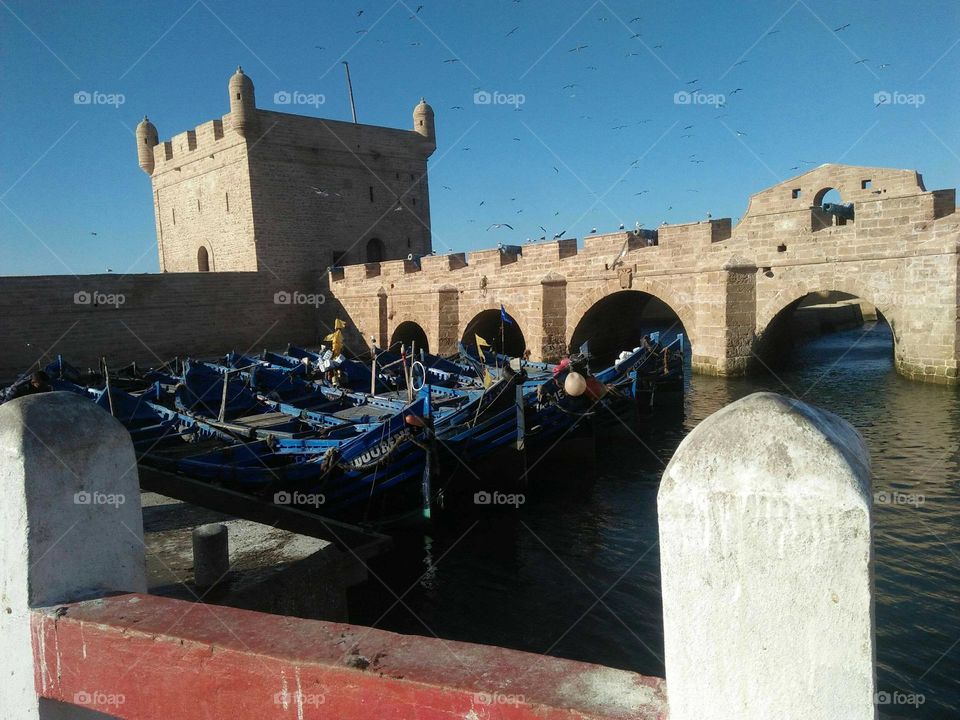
x,y
766,562
553,309
448,320
70,525
726,317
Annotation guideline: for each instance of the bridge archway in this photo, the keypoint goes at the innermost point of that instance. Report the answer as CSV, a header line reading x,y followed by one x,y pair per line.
x,y
505,337
810,314
409,332
617,321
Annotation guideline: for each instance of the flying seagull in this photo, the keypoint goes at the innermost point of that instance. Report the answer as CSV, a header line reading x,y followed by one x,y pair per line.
x,y
500,225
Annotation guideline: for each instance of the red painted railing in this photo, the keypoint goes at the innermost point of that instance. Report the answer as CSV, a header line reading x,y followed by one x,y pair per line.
x,y
149,658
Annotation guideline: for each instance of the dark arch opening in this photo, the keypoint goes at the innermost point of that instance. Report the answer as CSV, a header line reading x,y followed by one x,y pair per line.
x,y
830,209
203,260
408,333
375,250
617,322
504,337
792,337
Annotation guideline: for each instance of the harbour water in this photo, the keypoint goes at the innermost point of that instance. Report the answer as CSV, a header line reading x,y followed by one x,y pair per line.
x,y
574,571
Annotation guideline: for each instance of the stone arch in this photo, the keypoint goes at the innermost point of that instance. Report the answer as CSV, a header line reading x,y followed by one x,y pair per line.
x,y
491,310
679,302
799,289
470,313
766,338
408,330
203,259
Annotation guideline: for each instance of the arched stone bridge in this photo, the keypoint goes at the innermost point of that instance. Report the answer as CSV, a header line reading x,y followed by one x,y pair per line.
x,y
726,285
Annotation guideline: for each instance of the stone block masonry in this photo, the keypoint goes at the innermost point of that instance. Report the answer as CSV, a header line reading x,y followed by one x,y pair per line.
x,y
151,318
266,191
726,285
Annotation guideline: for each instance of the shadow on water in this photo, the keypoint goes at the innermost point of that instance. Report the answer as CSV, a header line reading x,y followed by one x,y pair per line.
x,y
574,571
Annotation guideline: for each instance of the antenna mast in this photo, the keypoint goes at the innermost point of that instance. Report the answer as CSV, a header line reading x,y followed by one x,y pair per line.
x,y
353,107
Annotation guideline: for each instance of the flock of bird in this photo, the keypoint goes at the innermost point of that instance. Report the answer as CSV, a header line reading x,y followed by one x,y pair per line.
x,y
584,50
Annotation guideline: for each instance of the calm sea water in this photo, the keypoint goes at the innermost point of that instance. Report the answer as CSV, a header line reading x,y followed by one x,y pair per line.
x,y
575,571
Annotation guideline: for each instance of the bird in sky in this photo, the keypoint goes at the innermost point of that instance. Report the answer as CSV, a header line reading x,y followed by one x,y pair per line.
x,y
513,31
556,169
693,82
559,235
578,48
740,133
862,61
687,127
457,107
842,27
451,60
93,233
419,8
740,63
359,13
633,20
883,65
571,85
482,203
641,192
500,225
734,92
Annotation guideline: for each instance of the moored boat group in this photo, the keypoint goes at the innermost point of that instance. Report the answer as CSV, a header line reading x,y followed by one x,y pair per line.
x,y
402,436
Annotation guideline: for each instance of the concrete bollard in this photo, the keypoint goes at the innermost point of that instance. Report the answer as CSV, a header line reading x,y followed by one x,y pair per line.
x,y
766,562
70,525
211,554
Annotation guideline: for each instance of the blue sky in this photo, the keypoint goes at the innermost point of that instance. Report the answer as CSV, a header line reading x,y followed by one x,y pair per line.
x,y
567,158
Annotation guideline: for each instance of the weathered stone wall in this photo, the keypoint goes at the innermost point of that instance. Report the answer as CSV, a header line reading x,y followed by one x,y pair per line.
x,y
294,196
726,285
160,316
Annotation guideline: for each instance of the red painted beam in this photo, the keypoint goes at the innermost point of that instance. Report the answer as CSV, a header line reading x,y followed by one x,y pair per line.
x,y
149,658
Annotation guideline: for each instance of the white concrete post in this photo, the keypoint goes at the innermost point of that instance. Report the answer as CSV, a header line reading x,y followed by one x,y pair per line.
x,y
766,561
70,525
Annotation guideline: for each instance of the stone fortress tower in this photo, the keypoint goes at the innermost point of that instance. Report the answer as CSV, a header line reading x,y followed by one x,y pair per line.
x,y
265,191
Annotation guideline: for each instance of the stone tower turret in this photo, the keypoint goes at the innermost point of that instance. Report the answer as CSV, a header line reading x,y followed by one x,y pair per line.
x,y
423,124
243,104
146,140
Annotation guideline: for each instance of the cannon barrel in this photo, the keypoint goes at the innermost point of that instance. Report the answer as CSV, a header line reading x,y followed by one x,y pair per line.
x,y
843,210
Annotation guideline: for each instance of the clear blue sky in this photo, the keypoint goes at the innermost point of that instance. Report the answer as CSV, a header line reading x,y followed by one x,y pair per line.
x,y
68,170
